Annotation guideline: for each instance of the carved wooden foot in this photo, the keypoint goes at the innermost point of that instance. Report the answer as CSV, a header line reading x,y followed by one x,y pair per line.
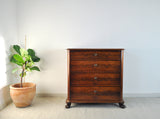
x,y
68,105
121,105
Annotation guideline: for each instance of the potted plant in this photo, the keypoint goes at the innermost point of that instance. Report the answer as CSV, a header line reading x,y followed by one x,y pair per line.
x,y
21,93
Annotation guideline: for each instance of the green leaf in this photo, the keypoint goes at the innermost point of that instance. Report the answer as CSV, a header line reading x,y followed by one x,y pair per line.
x,y
30,64
35,68
17,48
18,58
24,74
28,58
14,70
23,52
35,59
31,52
13,60
28,69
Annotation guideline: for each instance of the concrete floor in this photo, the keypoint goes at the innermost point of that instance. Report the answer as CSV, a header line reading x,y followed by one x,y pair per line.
x,y
53,108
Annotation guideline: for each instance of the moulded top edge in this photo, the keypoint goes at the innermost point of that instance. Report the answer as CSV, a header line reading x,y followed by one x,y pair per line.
x,y
95,49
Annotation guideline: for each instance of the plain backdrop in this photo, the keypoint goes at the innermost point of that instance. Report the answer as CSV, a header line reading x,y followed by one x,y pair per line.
x,y
52,26
8,37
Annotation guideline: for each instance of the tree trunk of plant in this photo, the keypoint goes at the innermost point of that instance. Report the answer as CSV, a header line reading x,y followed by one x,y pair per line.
x,y
23,69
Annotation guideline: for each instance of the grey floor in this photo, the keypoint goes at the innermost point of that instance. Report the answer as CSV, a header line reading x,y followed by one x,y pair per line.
x,y
53,108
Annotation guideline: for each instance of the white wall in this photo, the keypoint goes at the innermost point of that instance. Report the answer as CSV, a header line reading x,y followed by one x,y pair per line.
x,y
8,37
8,34
54,25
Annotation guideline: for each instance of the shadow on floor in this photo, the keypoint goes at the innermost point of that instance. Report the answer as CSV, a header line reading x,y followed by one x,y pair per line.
x,y
94,105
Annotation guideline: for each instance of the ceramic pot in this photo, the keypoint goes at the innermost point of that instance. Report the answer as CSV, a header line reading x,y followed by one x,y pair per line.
x,y
22,97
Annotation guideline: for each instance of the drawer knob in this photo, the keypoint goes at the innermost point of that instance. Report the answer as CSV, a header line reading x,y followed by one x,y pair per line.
x,y
95,54
95,65
95,78
95,91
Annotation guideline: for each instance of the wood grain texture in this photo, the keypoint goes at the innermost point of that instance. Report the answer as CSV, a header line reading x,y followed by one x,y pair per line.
x,y
95,79
95,67
90,55
95,76
95,93
122,59
68,69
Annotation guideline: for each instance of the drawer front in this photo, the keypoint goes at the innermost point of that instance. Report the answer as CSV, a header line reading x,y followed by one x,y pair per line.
x,y
91,67
109,79
95,93
90,55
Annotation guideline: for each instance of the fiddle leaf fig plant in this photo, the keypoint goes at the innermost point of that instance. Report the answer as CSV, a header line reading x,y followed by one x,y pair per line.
x,y
25,60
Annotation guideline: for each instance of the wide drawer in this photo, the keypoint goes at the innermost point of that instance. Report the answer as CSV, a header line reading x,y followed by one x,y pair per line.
x,y
95,93
95,66
90,55
109,79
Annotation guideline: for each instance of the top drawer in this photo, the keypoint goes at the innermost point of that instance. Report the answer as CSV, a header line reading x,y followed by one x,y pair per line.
x,y
93,55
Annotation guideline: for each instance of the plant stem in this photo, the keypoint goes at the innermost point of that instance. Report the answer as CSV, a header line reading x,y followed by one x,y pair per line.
x,y
23,69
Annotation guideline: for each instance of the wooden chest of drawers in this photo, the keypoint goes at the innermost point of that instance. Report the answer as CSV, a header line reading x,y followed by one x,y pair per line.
x,y
95,76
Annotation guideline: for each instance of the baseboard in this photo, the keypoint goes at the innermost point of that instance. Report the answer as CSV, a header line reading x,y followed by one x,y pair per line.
x,y
51,95
124,95
5,98
141,95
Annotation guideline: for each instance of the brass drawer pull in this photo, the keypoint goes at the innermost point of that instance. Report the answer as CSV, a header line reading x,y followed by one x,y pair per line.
x,y
95,65
95,54
95,78
95,91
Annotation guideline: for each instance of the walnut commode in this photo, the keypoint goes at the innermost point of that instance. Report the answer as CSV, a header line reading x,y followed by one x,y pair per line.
x,y
95,76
